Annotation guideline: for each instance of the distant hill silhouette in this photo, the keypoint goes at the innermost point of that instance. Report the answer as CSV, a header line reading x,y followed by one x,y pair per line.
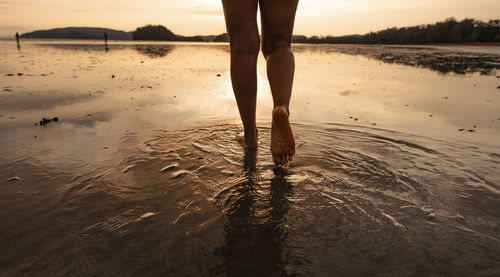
x,y
162,33
153,32
79,33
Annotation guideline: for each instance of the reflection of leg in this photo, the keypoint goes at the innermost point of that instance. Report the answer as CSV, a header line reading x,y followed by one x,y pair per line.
x,y
254,244
241,24
249,162
277,27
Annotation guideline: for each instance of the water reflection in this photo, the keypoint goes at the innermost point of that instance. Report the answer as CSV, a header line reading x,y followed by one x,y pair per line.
x,y
391,198
152,51
254,230
156,51
443,61
83,47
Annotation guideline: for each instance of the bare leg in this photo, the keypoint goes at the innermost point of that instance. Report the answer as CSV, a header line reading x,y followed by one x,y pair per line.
x,y
241,24
277,26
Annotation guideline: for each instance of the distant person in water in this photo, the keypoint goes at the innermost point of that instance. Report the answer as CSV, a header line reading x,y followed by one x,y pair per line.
x,y
17,40
106,42
277,18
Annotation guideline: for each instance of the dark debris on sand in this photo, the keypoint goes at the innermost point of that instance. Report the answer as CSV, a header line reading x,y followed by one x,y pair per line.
x,y
428,57
45,121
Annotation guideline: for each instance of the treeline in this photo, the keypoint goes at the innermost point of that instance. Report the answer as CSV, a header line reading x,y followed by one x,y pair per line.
x,y
448,31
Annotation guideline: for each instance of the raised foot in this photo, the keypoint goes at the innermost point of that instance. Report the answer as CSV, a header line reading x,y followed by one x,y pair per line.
x,y
282,141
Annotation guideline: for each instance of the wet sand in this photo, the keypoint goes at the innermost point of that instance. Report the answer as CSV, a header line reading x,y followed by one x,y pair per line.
x,y
396,171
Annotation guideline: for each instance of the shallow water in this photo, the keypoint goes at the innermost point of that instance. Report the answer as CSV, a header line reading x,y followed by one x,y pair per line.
x,y
141,175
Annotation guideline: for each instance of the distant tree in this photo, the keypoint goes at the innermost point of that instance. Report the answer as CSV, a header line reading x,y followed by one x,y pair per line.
x,y
299,39
153,32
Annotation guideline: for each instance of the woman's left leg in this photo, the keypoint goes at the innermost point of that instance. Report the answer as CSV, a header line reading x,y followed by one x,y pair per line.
x,y
278,18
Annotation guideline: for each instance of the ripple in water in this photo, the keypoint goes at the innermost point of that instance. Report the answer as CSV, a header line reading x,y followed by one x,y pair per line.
x,y
193,202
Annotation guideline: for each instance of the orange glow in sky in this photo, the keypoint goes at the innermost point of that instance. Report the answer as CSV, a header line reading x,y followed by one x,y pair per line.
x,y
205,17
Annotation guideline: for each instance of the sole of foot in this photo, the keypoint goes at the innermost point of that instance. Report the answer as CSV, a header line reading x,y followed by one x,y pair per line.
x,y
282,141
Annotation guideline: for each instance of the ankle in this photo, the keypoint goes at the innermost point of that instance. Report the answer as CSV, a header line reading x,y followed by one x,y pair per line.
x,y
281,107
251,134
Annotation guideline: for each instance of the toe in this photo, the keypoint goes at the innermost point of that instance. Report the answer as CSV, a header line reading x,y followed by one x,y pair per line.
x,y
276,159
282,160
286,159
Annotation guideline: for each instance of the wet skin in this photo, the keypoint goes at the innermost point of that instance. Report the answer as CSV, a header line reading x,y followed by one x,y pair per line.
x,y
277,19
282,141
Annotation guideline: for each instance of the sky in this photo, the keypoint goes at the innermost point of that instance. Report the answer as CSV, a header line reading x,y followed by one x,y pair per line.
x,y
205,17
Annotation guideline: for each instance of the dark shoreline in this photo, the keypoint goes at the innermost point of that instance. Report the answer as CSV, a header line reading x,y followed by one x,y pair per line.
x,y
295,43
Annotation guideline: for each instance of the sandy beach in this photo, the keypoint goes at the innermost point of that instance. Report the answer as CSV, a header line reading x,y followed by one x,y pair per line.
x,y
397,164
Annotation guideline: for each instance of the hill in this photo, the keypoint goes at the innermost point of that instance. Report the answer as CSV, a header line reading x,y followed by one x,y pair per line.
x,y
153,32
161,33
79,33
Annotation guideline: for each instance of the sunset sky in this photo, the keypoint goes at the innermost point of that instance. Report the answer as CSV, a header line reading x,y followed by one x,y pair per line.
x,y
204,17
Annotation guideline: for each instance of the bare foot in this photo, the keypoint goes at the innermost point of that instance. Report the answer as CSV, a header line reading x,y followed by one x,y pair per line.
x,y
248,142
282,142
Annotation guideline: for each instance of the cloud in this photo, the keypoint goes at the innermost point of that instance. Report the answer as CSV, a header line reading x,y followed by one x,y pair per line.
x,y
8,30
207,11
190,17
7,3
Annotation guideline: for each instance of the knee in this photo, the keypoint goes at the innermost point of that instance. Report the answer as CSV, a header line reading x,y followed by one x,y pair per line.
x,y
246,45
268,48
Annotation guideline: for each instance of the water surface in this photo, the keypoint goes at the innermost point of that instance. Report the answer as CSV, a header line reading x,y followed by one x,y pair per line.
x,y
396,172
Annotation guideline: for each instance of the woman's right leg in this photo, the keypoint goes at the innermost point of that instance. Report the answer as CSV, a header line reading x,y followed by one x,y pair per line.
x,y
241,24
